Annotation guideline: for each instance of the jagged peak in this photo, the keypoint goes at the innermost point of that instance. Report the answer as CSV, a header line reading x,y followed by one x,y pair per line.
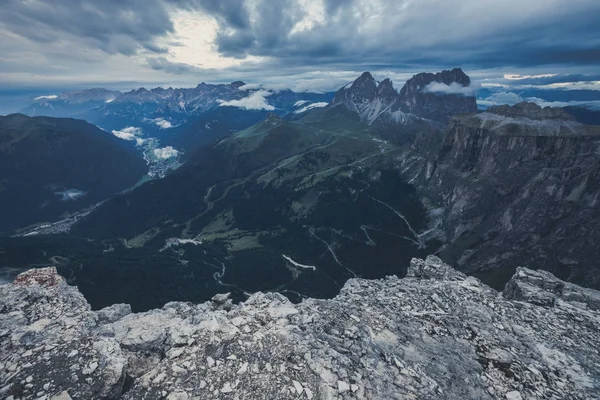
x,y
419,81
365,76
386,89
238,84
365,85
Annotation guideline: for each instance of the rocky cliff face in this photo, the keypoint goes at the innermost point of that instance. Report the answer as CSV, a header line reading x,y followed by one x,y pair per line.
x,y
426,96
438,96
434,335
517,185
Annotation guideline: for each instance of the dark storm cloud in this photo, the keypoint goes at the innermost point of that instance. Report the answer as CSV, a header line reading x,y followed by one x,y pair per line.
x,y
230,13
327,35
113,26
162,64
491,34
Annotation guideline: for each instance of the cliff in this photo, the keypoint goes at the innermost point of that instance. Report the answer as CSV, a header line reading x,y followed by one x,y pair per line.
x,y
435,334
514,185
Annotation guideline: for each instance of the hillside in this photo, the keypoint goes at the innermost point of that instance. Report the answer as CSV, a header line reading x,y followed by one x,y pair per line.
x,y
50,167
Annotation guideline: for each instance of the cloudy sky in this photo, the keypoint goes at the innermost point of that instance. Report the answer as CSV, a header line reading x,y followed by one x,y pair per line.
x,y
302,44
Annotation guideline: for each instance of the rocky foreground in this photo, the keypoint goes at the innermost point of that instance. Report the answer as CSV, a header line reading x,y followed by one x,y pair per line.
x,y
435,334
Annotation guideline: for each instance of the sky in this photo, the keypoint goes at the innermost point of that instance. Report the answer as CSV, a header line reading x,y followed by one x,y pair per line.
x,y
315,45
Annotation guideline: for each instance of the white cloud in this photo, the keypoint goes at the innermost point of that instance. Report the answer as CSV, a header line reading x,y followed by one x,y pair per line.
x,y
500,98
518,77
130,133
310,107
165,152
51,97
256,101
162,123
250,86
453,88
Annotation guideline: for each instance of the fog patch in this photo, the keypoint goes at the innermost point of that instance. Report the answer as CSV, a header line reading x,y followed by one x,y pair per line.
x,y
130,133
162,123
311,106
453,88
70,194
499,98
51,97
256,101
164,153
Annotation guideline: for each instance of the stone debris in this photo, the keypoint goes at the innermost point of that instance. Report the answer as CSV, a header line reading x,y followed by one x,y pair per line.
x,y
436,334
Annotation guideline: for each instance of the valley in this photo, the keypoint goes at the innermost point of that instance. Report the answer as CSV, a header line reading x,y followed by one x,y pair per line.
x,y
300,203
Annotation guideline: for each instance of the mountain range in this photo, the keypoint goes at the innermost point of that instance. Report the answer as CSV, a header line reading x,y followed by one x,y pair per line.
x,y
183,118
426,96
311,196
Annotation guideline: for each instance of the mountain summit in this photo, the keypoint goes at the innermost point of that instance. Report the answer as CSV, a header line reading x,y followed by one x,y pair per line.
x,y
438,96
435,97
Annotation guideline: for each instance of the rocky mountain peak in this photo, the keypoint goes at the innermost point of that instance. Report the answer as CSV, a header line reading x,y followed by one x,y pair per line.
x,y
364,87
419,82
531,111
436,334
418,99
238,84
359,96
386,89
439,102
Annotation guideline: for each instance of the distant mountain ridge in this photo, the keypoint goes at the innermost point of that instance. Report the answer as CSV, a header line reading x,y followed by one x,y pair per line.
x,y
70,104
185,118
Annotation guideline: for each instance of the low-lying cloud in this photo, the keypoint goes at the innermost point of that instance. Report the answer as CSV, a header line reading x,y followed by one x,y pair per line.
x,y
310,107
162,123
51,97
164,153
256,101
130,133
453,88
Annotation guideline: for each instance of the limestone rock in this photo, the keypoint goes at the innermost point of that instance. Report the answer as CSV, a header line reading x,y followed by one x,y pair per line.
x,y
436,335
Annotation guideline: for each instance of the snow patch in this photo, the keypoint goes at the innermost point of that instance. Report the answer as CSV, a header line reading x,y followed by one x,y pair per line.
x,y
300,102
